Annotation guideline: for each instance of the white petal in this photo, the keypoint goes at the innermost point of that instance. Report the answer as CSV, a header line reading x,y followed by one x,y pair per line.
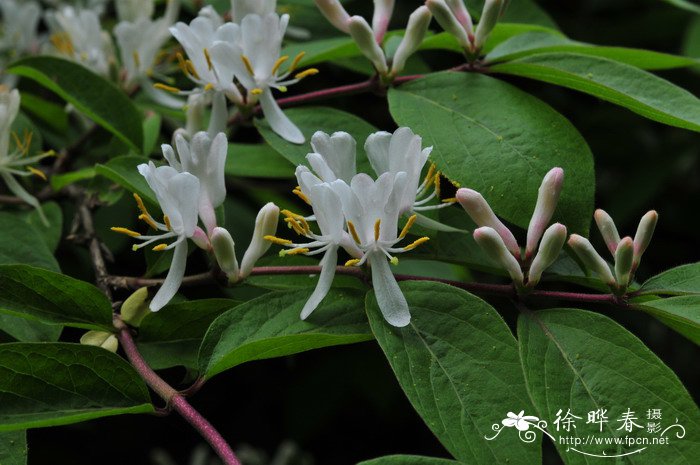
x,y
377,148
172,282
278,121
219,114
339,152
320,166
391,300
328,264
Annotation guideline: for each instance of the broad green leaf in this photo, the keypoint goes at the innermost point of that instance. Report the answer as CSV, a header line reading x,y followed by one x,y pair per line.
x,y
172,336
51,232
123,171
533,43
257,161
13,448
151,132
691,44
91,94
501,33
458,364
684,279
50,297
51,384
522,11
24,330
584,361
408,460
680,313
618,83
50,113
319,51
312,119
269,327
59,181
685,5
21,243
478,145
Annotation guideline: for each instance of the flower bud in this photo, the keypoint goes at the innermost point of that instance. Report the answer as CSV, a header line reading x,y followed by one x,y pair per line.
x,y
364,38
460,12
265,225
643,236
448,21
133,10
415,32
102,339
225,252
547,198
135,307
607,229
488,20
383,10
550,247
196,105
334,13
480,212
591,259
492,243
623,262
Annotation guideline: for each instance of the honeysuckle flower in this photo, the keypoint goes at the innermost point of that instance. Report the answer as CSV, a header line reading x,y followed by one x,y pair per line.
x,y
178,196
333,156
520,421
19,26
18,162
204,157
242,8
133,10
454,18
225,252
265,226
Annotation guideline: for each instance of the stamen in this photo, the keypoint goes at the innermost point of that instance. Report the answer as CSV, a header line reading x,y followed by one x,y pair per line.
x,y
450,200
277,240
166,88
209,86
353,232
126,231
297,251
408,226
296,61
140,204
279,62
137,59
208,58
182,64
430,177
297,191
294,224
148,220
18,142
62,43
28,140
37,172
256,91
299,219
160,247
376,228
416,243
394,261
166,220
282,88
352,262
305,73
437,184
248,65
190,67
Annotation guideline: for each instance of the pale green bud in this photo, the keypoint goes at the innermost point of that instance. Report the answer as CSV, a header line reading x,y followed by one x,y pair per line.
x,y
591,259
550,247
480,212
642,238
607,229
488,20
547,199
623,262
225,252
102,339
364,38
334,13
135,307
448,21
265,225
492,243
459,10
415,33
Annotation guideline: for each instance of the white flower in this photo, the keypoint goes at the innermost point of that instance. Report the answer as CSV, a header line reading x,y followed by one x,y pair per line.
x,y
265,225
333,156
133,10
17,163
204,157
178,197
242,8
19,26
520,421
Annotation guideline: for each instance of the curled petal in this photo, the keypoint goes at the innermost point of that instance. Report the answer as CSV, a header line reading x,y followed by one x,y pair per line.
x,y
391,300
278,121
174,278
325,280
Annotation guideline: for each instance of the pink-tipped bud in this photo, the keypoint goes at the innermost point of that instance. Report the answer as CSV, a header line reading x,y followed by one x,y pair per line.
x,y
334,13
417,26
592,261
607,229
642,238
446,18
488,20
492,243
201,239
225,252
480,212
101,339
364,38
459,10
383,10
547,199
265,225
623,262
550,247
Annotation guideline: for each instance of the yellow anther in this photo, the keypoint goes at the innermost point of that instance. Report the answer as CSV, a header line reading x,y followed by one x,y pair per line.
x,y
297,251
301,195
126,231
37,172
430,177
248,65
160,247
182,64
137,59
277,240
190,67
166,88
394,261
305,73
450,200
282,88
408,226
298,218
208,86
437,184
377,224
416,243
353,232
48,153
210,65
279,62
256,91
62,43
296,61
18,142
148,220
27,141
352,262
166,220
294,224
140,204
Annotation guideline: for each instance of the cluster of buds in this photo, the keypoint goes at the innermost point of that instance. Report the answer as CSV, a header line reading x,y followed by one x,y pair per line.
x,y
454,18
543,243
626,252
369,39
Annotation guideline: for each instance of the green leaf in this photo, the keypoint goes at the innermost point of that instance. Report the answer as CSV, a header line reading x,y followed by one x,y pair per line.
x,y
684,279
50,384
458,364
123,171
23,330
50,113
59,181
21,243
319,51
257,161
269,327
13,448
501,33
533,43
584,361
478,145
51,297
621,84
408,460
172,336
680,313
312,119
91,94
51,232
151,132
691,44
685,5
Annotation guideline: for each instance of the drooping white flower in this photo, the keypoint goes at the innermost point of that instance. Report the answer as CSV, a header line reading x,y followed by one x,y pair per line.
x,y
204,157
19,26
